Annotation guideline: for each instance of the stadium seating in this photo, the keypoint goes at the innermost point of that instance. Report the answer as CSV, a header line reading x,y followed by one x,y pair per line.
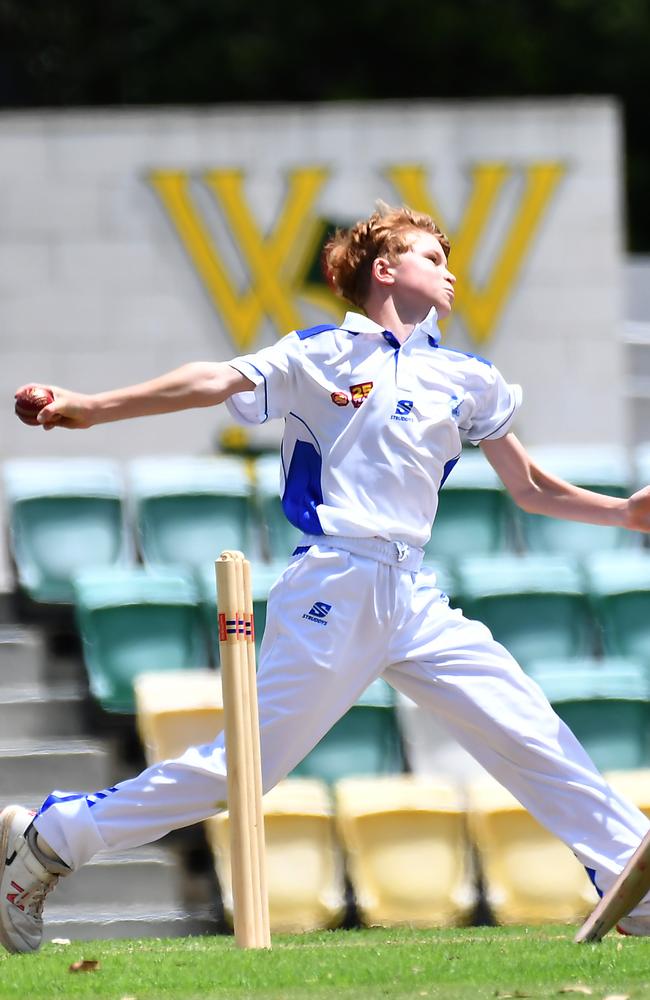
x,y
445,575
429,748
406,850
619,586
634,784
131,622
280,537
176,710
533,604
474,514
364,741
604,702
189,509
306,883
64,515
529,875
600,468
641,465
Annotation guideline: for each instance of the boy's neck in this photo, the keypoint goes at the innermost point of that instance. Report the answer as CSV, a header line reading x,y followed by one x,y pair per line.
x,y
386,314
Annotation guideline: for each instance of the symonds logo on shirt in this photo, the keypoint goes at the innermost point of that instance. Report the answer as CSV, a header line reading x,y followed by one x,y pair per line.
x,y
403,410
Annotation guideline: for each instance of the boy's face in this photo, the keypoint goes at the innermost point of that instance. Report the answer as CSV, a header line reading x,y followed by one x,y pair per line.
x,y
421,276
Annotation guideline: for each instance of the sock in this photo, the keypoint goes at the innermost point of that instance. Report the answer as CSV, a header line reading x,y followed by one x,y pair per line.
x,y
44,853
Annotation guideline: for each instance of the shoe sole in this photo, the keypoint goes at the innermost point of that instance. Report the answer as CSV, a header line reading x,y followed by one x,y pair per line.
x,y
6,818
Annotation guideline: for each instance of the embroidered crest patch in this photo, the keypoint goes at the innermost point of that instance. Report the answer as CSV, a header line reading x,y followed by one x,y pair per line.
x,y
360,392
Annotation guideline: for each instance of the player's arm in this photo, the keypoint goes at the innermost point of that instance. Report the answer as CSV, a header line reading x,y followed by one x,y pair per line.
x,y
193,385
538,492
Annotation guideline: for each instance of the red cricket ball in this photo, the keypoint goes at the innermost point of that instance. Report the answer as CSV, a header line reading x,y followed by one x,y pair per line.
x,y
30,402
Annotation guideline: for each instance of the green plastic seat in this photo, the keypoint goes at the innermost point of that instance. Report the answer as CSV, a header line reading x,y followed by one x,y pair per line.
x,y
603,469
263,576
132,622
64,515
534,605
189,509
619,586
280,536
365,741
474,514
605,703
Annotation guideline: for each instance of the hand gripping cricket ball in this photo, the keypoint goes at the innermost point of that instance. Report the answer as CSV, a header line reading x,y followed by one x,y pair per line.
x,y
30,402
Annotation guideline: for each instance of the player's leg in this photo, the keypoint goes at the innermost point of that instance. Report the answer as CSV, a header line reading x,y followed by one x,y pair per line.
x,y
455,668
315,663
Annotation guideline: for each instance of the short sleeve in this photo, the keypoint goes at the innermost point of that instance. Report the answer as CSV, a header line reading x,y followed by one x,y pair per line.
x,y
489,405
273,372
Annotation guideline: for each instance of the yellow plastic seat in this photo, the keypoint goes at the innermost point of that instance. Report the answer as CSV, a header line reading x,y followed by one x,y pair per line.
x,y
634,784
176,710
305,874
406,850
530,875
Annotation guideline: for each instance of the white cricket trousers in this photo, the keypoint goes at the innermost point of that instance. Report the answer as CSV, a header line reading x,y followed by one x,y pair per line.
x,y
336,620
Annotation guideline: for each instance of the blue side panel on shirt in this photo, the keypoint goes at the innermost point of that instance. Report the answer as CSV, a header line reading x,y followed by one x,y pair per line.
x,y
303,491
311,331
447,469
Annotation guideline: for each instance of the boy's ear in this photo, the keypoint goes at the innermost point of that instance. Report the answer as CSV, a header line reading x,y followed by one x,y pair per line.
x,y
383,271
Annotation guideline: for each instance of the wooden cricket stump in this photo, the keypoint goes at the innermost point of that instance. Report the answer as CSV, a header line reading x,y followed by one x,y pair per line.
x,y
629,889
242,729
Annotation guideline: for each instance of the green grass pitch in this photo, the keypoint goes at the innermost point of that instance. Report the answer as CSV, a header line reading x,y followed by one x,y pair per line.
x,y
454,964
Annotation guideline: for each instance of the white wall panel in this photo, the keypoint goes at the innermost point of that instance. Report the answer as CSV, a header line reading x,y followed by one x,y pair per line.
x,y
97,287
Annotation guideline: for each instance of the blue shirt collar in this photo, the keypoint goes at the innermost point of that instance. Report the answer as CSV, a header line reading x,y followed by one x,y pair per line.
x,y
358,323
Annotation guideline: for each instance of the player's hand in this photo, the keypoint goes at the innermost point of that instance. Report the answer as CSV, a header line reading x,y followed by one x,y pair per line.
x,y
72,410
637,512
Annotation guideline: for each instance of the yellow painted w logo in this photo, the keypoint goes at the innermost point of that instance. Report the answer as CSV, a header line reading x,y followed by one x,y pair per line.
x,y
279,263
479,306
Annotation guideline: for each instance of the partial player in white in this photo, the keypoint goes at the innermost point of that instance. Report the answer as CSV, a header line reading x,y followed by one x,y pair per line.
x,y
375,413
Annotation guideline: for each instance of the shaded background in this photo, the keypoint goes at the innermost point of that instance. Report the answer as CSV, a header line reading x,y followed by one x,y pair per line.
x,y
160,52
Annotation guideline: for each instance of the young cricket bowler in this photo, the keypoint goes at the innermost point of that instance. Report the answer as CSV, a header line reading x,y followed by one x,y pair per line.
x,y
375,411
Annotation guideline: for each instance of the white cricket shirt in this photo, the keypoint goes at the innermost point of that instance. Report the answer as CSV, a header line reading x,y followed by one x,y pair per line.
x,y
372,428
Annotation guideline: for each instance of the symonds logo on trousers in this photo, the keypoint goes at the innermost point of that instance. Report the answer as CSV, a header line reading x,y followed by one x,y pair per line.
x,y
318,612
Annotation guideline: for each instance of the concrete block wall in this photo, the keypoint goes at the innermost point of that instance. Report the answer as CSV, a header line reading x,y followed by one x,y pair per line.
x,y
97,289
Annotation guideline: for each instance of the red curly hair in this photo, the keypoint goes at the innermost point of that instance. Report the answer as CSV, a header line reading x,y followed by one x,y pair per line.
x,y
349,254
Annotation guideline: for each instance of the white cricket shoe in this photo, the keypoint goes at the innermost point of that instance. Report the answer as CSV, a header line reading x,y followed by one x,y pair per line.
x,y
24,881
634,926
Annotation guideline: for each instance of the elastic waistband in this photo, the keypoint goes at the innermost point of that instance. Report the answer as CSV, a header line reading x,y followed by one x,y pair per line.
x,y
406,557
